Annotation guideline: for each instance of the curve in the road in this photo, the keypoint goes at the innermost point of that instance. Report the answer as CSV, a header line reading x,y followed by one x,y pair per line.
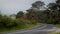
x,y
43,29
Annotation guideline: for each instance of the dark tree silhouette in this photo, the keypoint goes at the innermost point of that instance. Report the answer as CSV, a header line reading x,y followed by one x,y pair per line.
x,y
20,14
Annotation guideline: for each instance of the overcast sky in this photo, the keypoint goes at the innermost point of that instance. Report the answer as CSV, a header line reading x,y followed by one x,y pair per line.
x,y
13,6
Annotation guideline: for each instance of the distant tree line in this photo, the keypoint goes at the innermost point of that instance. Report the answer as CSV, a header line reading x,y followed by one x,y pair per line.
x,y
50,15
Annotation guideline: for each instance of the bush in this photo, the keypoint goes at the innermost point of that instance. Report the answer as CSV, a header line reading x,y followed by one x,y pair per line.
x,y
7,22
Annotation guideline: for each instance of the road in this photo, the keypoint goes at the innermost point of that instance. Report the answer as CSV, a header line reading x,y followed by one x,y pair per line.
x,y
41,29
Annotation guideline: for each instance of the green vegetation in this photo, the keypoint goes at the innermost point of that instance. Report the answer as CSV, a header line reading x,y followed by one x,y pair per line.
x,y
7,24
58,25
51,15
20,14
55,33
24,27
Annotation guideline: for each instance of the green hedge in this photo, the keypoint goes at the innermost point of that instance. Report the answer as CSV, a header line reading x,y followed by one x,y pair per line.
x,y
7,22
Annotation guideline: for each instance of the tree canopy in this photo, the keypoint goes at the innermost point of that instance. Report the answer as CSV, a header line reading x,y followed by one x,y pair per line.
x,y
20,14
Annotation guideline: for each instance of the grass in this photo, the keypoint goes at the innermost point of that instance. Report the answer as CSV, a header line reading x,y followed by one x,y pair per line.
x,y
8,24
55,33
58,25
24,27
0,33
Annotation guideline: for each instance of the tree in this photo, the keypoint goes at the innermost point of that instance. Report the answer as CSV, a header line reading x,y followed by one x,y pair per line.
x,y
54,12
50,15
0,15
20,14
34,13
58,9
38,4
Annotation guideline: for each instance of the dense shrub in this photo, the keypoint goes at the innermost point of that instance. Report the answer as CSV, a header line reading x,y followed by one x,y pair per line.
x,y
7,22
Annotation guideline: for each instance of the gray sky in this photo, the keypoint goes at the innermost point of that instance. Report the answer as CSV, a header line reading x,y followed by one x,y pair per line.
x,y
13,6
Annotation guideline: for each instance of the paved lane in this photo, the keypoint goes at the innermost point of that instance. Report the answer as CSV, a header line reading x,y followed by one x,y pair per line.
x,y
43,29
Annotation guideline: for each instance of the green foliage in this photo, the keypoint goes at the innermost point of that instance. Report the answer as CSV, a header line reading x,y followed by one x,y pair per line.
x,y
51,15
58,25
34,14
7,23
54,12
55,33
20,14
38,4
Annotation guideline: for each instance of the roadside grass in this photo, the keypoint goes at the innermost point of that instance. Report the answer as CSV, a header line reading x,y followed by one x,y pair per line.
x,y
0,33
8,24
58,25
23,27
55,33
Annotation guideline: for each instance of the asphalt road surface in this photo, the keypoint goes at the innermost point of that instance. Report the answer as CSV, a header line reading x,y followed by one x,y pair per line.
x,y
41,29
